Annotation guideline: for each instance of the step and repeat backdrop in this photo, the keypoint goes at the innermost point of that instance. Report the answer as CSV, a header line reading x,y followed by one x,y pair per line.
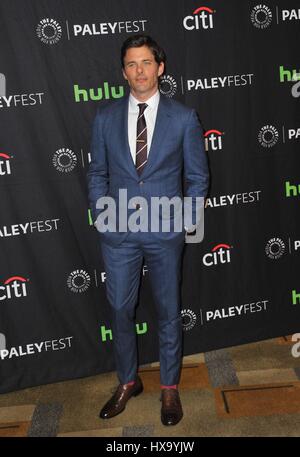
x,y
237,63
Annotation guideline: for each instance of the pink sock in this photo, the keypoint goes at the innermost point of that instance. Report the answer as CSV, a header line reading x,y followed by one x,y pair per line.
x,y
129,383
169,387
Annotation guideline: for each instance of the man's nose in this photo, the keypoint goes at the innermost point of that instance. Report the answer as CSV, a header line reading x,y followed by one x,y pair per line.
x,y
140,69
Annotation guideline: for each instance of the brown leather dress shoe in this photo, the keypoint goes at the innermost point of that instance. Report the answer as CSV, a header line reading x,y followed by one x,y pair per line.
x,y
118,401
171,409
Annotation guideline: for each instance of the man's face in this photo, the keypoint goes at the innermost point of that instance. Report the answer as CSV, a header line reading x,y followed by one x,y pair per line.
x,y
142,72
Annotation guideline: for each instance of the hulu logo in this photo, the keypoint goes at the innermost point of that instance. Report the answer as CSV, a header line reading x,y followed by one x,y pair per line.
x,y
107,92
295,297
288,75
292,190
141,329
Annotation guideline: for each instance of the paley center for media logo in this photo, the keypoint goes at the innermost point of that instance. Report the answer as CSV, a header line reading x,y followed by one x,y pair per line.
x,y
16,100
13,287
276,247
64,160
261,15
268,135
78,281
50,30
200,19
189,319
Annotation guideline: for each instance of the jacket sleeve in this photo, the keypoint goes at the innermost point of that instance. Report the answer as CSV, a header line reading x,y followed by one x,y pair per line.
x,y
196,172
97,175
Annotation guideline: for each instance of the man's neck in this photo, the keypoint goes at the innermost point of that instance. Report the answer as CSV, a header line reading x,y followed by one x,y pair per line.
x,y
143,97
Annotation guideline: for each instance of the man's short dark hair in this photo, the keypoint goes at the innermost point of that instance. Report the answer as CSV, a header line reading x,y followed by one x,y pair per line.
x,y
136,41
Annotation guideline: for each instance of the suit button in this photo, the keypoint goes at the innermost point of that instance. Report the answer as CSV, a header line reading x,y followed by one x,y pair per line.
x,y
141,183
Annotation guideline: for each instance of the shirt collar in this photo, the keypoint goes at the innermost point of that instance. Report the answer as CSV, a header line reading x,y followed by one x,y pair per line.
x,y
152,102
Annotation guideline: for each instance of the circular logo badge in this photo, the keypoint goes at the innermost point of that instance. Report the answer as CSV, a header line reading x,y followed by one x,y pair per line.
x,y
261,16
79,281
64,160
275,248
268,136
168,86
188,319
49,31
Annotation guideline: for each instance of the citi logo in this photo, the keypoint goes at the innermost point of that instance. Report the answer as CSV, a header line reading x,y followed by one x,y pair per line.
x,y
213,140
5,164
14,287
106,92
202,18
219,254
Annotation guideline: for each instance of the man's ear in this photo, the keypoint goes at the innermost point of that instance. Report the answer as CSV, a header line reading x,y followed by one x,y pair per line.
x,y
124,74
161,68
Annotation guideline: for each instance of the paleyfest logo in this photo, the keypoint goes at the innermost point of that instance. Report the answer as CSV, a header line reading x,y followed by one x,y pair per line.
x,y
25,99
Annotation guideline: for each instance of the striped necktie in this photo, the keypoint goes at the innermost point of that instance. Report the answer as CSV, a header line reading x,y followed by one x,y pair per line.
x,y
141,139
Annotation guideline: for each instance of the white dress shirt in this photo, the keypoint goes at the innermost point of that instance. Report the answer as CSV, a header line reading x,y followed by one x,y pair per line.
x,y
150,118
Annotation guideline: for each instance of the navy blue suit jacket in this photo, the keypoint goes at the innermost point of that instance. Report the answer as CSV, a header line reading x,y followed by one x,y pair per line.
x,y
176,152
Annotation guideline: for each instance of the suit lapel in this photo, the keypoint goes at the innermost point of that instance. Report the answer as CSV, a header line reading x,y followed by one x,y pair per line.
x,y
124,138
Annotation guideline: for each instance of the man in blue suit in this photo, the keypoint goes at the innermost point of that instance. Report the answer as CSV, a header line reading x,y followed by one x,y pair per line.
x,y
144,144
